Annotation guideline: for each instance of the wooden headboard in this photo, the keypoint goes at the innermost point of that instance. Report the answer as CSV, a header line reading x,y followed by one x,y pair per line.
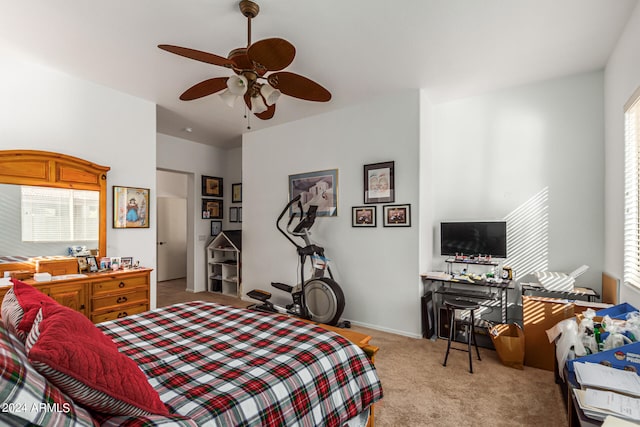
x,y
610,286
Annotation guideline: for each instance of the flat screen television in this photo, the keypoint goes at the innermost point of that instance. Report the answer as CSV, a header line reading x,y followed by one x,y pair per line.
x,y
474,238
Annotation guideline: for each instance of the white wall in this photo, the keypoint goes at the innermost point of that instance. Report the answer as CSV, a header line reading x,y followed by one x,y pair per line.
x,y
43,109
194,159
532,155
376,268
622,78
233,175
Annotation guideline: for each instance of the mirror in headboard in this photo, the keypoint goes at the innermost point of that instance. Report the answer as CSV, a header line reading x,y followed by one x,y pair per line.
x,y
53,171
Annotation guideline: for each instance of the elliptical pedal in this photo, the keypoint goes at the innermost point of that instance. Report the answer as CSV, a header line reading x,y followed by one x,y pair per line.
x,y
282,286
259,295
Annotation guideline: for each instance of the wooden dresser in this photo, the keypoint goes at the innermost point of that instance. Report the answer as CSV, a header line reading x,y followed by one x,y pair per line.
x,y
100,296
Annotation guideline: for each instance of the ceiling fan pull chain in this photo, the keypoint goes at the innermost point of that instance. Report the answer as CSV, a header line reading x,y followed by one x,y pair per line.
x,y
248,117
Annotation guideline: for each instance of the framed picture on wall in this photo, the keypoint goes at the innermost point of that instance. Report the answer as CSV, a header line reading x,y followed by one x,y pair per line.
x,y
397,215
236,193
212,209
212,186
363,216
233,214
216,227
315,188
130,207
379,183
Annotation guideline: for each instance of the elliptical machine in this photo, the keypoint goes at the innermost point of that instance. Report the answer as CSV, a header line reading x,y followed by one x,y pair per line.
x,y
320,298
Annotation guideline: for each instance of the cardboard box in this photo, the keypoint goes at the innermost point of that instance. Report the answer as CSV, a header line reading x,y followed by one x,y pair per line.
x,y
538,315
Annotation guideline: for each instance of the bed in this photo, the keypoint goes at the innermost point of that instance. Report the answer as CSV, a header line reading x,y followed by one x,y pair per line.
x,y
210,365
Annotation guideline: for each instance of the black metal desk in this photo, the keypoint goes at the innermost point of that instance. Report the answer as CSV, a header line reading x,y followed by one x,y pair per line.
x,y
481,290
586,293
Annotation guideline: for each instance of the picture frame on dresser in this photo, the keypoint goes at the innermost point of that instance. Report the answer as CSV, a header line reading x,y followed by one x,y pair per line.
x,y
92,264
126,262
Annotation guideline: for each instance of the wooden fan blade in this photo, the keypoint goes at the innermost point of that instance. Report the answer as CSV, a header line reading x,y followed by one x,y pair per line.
x,y
298,86
271,54
266,115
204,88
198,55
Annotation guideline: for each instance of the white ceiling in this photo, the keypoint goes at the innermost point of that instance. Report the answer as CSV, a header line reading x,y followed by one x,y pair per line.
x,y
358,49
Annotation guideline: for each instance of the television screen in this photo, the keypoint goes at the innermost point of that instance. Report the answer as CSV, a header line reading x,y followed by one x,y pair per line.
x,y
474,238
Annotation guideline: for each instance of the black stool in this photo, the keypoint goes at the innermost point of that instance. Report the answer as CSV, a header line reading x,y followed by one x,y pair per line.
x,y
461,304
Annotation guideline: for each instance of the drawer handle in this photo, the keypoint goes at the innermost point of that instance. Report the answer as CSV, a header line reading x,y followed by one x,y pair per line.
x,y
122,299
121,285
122,314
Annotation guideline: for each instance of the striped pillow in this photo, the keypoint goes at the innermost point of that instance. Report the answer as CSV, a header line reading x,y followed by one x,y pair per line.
x,y
20,306
82,361
27,398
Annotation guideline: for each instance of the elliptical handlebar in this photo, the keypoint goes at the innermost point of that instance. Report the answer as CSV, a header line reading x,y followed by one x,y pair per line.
x,y
284,211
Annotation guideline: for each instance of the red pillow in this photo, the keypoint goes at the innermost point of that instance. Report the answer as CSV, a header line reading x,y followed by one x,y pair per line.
x,y
83,362
20,306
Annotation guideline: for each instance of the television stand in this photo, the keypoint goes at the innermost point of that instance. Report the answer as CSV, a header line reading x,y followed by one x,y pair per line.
x,y
468,261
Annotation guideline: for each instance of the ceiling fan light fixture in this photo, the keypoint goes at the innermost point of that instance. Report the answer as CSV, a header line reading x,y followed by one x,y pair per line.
x,y
228,98
258,105
270,93
237,85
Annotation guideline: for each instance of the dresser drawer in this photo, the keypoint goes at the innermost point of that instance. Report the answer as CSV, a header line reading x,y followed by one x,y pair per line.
x,y
121,312
120,299
127,284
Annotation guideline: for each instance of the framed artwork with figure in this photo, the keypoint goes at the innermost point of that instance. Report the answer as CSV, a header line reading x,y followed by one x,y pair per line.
x,y
379,183
130,207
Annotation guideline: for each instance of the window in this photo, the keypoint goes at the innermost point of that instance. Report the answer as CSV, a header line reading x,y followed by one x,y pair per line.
x,y
59,215
632,185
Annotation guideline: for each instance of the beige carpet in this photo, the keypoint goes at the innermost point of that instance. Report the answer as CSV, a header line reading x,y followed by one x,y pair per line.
x,y
419,391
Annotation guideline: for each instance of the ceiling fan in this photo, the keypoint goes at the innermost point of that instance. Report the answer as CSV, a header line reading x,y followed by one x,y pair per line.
x,y
251,65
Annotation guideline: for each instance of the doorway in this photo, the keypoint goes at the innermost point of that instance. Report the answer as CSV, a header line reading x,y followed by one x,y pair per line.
x,y
172,235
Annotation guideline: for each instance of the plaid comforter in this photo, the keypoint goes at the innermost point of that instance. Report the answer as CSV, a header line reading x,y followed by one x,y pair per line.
x,y
222,366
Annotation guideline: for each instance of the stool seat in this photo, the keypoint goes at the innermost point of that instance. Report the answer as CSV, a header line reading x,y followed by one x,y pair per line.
x,y
461,304
453,304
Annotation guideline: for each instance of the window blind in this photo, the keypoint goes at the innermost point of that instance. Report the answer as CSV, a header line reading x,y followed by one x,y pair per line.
x,y
632,185
58,215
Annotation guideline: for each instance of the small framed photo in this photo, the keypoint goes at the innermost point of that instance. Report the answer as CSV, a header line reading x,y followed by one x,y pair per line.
x,y
212,209
397,215
236,193
216,227
83,265
211,186
126,262
379,183
363,216
233,214
92,263
130,207
115,263
105,263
